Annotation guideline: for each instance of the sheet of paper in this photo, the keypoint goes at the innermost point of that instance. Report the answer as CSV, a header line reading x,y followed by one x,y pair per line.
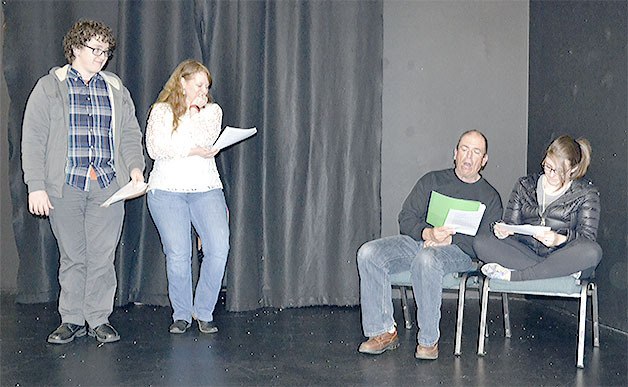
x,y
440,205
129,191
231,135
464,215
525,229
465,222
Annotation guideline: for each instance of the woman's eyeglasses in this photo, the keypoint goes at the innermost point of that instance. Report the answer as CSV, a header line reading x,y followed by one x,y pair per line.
x,y
549,170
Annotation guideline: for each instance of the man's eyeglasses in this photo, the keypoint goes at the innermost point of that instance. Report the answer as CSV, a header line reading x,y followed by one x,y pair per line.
x,y
99,52
548,169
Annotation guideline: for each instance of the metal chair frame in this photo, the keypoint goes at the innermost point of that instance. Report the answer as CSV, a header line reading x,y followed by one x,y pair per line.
x,y
462,277
586,288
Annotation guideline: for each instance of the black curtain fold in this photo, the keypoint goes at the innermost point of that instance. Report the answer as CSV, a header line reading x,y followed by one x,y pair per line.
x,y
152,40
303,194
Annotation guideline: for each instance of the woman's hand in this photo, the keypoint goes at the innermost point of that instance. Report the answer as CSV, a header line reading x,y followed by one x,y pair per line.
x,y
198,103
437,236
500,232
205,153
550,238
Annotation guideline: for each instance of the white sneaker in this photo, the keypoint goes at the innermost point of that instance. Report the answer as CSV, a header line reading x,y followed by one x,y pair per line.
x,y
496,271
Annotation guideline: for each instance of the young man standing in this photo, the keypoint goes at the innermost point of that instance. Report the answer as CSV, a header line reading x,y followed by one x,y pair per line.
x,y
80,143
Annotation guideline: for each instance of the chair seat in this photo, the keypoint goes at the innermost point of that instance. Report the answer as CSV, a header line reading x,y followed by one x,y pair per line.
x,y
450,280
567,286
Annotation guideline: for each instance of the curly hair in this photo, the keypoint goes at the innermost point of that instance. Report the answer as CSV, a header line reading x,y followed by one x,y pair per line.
x,y
172,93
82,32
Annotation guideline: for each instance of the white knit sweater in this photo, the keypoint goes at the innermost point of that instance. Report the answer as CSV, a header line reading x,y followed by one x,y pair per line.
x,y
173,169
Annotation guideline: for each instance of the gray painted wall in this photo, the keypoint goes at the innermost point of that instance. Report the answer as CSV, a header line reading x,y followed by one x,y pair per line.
x,y
450,66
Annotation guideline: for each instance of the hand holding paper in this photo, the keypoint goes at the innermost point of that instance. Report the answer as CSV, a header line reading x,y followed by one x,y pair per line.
x,y
524,229
231,135
129,191
464,216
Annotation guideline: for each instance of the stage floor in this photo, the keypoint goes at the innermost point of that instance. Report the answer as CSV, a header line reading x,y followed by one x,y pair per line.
x,y
314,346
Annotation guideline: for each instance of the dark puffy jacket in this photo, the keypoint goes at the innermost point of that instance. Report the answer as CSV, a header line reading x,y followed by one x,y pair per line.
x,y
575,214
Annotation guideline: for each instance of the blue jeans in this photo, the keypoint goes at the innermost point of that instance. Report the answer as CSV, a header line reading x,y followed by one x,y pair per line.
x,y
379,258
174,213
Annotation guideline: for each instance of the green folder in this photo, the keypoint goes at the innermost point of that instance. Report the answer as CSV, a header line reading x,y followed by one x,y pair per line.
x,y
440,205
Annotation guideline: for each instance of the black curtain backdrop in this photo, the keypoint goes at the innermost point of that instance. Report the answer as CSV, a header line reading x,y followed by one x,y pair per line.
x,y
578,85
303,193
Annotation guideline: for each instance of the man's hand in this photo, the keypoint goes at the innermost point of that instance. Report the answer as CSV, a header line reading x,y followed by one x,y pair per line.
x,y
39,203
137,176
437,236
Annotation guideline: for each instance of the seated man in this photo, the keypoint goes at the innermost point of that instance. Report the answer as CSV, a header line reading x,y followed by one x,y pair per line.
x,y
428,252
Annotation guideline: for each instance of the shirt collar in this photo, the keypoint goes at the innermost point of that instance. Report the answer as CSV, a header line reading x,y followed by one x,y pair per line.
x,y
75,75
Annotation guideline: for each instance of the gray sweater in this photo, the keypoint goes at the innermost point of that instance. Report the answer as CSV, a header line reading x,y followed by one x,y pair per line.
x,y
46,125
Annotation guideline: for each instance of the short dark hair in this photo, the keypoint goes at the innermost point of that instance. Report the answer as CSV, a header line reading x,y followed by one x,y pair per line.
x,y
477,132
82,32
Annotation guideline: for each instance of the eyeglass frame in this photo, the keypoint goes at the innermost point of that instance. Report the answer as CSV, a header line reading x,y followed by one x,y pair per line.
x,y
99,52
547,169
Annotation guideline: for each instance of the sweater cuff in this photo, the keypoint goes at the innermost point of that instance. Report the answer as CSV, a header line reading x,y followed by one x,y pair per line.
x,y
139,166
36,185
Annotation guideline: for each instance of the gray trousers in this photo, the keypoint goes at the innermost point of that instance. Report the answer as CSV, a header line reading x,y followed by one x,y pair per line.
x,y
87,236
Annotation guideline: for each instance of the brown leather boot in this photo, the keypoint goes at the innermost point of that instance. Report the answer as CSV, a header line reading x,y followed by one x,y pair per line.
x,y
426,353
378,344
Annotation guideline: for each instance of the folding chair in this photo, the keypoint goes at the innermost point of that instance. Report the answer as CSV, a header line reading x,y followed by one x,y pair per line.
x,y
452,281
553,287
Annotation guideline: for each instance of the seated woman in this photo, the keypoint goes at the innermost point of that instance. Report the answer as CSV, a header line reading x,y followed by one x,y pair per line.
x,y
558,199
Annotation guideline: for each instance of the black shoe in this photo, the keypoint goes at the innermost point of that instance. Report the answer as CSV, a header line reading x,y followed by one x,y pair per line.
x,y
104,333
179,326
66,333
207,326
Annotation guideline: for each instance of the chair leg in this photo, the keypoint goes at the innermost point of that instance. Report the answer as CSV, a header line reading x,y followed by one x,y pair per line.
x,y
404,307
581,324
507,330
480,287
483,312
595,316
460,314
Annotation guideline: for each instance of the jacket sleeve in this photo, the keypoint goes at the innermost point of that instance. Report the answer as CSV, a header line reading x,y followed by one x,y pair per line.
x,y
35,132
131,135
512,213
588,216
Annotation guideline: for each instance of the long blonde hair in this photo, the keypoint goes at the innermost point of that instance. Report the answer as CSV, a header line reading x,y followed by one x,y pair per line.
x,y
573,155
173,93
